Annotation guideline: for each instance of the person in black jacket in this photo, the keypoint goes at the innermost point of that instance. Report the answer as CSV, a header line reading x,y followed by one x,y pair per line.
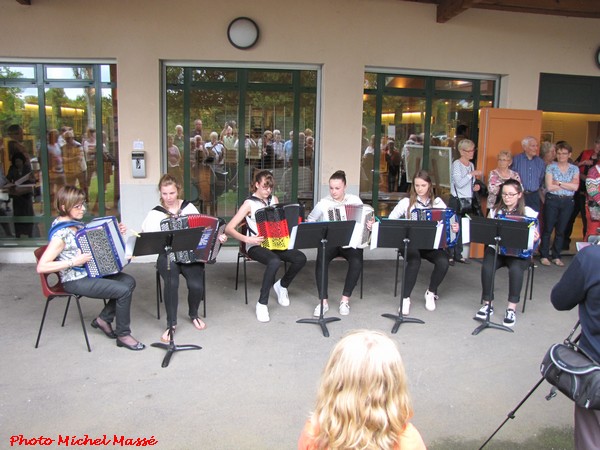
x,y
580,286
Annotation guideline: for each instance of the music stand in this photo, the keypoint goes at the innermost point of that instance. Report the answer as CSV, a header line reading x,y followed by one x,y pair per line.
x,y
512,234
405,233
323,235
166,242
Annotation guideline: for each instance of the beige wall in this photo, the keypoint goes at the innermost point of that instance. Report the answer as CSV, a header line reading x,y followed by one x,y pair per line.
x,y
573,128
341,36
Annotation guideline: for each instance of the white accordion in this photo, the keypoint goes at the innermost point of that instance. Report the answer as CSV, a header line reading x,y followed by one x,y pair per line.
x,y
362,214
102,239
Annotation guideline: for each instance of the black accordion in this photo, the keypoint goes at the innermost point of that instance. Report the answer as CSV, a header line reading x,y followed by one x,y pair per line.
x,y
102,239
444,215
209,245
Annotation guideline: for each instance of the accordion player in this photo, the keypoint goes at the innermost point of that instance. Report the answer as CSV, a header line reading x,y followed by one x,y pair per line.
x,y
446,216
523,253
102,239
209,244
275,222
362,214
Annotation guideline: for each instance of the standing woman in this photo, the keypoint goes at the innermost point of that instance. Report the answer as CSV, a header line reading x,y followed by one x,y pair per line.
x,y
421,197
461,191
510,201
337,197
562,181
262,196
172,206
499,175
63,256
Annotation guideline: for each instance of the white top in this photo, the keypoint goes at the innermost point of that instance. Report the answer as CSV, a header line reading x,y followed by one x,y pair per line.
x,y
319,212
401,210
255,205
154,217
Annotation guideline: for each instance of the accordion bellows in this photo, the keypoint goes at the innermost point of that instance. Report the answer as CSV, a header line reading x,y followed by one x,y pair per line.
x,y
445,215
523,253
362,214
274,224
101,237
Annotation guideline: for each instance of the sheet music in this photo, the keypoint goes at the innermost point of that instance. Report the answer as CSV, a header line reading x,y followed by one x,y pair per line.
x,y
465,229
374,235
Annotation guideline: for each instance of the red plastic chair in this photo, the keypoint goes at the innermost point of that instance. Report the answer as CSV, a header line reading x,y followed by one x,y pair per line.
x,y
52,288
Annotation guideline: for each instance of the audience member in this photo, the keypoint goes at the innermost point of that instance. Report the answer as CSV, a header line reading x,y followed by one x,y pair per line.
x,y
74,162
499,175
531,169
363,400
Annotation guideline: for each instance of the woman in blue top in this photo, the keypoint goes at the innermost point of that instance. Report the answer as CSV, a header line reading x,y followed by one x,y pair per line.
x,y
562,181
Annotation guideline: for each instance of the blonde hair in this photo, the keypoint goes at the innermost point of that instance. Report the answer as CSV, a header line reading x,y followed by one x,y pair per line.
x,y
363,400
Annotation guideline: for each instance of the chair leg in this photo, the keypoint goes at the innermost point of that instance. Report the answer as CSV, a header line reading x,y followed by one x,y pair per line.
x,y
237,271
396,277
204,291
528,285
37,342
87,341
66,310
245,282
361,280
159,297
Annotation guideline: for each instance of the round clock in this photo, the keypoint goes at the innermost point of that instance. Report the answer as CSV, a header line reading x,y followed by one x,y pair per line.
x,y
598,57
243,33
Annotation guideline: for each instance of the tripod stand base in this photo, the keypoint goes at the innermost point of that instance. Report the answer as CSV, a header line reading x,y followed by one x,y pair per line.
x,y
400,319
488,324
172,348
322,321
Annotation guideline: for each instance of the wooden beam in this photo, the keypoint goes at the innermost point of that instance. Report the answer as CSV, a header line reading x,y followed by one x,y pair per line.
x,y
447,9
569,8
24,2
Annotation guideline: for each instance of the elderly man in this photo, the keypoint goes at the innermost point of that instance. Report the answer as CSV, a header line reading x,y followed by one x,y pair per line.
x,y
531,169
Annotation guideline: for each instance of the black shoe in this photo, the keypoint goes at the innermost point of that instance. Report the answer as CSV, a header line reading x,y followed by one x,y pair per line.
x,y
134,347
451,261
109,334
463,261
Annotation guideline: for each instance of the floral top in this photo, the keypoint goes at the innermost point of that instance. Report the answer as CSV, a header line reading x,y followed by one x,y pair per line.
x,y
567,177
67,235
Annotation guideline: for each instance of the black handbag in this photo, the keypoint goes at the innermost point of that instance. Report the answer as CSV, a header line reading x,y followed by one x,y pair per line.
x,y
460,205
568,368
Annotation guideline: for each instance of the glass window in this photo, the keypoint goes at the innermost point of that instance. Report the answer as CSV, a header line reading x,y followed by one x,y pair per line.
x,y
405,82
69,73
453,85
17,72
214,75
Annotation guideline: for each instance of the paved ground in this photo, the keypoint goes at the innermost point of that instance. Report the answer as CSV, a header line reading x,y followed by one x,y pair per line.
x,y
252,385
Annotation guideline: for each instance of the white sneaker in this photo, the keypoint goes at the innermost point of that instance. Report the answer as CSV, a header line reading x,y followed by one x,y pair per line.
x,y
317,311
405,306
344,308
282,294
262,312
430,299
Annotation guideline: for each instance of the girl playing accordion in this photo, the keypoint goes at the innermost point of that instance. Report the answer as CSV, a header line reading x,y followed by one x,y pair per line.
x,y
172,206
62,255
510,201
421,197
262,196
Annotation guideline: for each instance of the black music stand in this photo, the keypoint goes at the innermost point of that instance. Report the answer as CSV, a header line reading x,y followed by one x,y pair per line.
x,y
166,242
323,235
405,233
512,234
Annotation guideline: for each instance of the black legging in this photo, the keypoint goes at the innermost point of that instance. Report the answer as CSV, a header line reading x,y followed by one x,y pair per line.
x,y
439,259
516,269
272,260
354,256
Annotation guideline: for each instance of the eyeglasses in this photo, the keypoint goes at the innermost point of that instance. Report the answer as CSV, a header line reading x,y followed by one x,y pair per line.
x,y
468,151
509,194
81,206
266,187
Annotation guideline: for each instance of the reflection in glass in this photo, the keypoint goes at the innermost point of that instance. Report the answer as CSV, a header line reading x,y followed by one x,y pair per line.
x,y
69,73
17,72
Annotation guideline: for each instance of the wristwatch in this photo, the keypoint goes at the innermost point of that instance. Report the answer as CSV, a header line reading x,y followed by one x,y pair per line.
x,y
560,183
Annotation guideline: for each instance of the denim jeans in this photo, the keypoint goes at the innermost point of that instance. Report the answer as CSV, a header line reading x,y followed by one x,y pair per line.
x,y
118,288
557,211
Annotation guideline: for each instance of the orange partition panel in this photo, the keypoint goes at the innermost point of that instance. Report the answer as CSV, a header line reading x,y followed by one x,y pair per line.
x,y
502,129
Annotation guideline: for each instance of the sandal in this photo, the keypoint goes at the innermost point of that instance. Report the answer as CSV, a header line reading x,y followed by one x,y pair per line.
x,y
199,324
558,262
165,336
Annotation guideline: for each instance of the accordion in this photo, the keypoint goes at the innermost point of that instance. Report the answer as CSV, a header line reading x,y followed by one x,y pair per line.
x,y
102,238
209,245
362,214
444,215
274,224
519,252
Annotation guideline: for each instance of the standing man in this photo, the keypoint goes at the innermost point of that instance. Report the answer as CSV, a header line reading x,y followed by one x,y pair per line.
x,y
585,161
580,286
532,170
197,131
